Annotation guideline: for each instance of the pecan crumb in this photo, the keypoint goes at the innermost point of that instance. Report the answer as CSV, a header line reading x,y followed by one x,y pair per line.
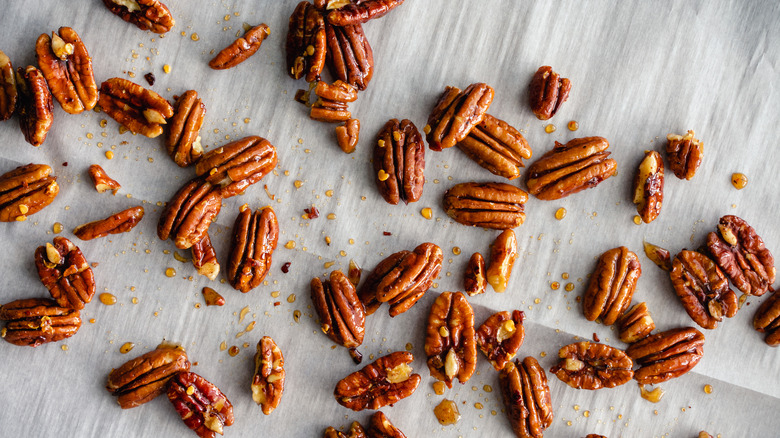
x,y
311,213
286,267
150,78
596,337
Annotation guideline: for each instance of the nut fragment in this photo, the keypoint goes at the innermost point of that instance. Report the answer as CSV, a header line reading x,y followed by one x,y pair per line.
x,y
201,405
35,108
183,141
547,92
380,383
138,109
342,315
142,379
666,355
526,397
379,426
189,213
489,205
8,93
268,380
767,320
702,288
503,252
349,55
399,153
474,278
204,258
456,114
360,11
241,49
659,256
64,271
649,186
612,285
450,342
67,67
121,222
684,153
306,47
146,14
588,365
36,321
26,190
331,105
500,336
496,146
347,136
355,431
635,324
254,240
102,181
237,165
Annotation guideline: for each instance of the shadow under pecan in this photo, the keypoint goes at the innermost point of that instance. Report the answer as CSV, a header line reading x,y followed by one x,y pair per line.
x,y
332,102
121,222
399,162
450,342
183,140
254,240
347,135
489,205
526,397
703,289
241,49
146,14
8,93
456,113
201,405
358,12
140,110
635,324
26,190
380,383
355,431
547,92
306,43
474,278
142,379
204,258
67,67
500,336
379,426
649,186
237,165
612,285
35,321
684,153
666,355
496,146
342,315
268,379
101,180
35,107
503,252
588,365
349,55
65,272
767,320
187,216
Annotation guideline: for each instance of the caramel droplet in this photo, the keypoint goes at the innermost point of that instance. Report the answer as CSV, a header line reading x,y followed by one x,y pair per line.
x,y
708,389
291,298
438,387
297,316
739,180
637,220
170,272
107,299
560,213
233,351
427,213
109,155
549,128
290,244
555,285
447,412
565,275
487,388
573,125
456,250
653,396
126,347
57,228
569,287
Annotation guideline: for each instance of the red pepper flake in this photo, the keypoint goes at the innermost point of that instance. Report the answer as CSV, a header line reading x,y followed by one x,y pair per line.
x,y
65,164
277,303
149,78
286,267
312,212
387,233
596,338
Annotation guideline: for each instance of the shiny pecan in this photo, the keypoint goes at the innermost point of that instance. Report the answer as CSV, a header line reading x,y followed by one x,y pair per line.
x,y
500,336
138,109
146,14
474,278
449,340
684,153
367,292
345,13
253,243
121,222
201,405
342,315
380,383
189,213
26,190
355,431
379,426
347,136
64,271
526,397
8,93
67,67
102,181
496,146
742,256
306,43
489,205
241,49
659,256
547,92
268,380
702,288
503,252
204,258
568,168
331,104
35,321
399,162
35,108
767,320
666,355
237,165
635,324
588,365
456,114
350,57
183,140
612,285
142,379
649,186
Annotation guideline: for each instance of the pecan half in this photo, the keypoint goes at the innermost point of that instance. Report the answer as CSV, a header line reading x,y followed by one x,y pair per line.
x,y
767,320
526,397
268,380
666,355
64,271
380,383
649,186
497,146
201,405
635,324
449,340
306,46
254,241
35,109
67,67
142,379
379,426
500,336
568,168
342,315
367,292
102,181
146,14
204,258
359,11
350,57
355,431
138,109
503,252
237,165
474,278
26,190
8,93
241,49
189,213
702,288
489,205
684,153
612,285
121,222
36,321
547,92
456,114
588,365
742,256
347,136
399,162
183,140
331,104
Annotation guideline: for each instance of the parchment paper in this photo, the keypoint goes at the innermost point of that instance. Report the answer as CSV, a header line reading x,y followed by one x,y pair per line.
x,y
640,70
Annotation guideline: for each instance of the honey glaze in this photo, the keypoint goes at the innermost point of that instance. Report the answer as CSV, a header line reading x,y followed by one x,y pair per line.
x,y
447,412
653,396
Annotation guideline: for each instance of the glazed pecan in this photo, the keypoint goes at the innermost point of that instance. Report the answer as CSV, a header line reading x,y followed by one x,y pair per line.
x,y
635,324
347,136
767,320
183,140
500,336
8,93
702,288
189,213
146,14
138,109
254,241
241,49
355,431
35,108
612,285
649,186
204,258
379,426
306,46
26,190
399,162
268,380
380,383
121,222
489,205
456,114
350,57
347,13
36,321
201,405
142,379
496,146
588,365
547,92
237,165
684,153
64,271
449,340
526,397
102,181
67,67
342,315
367,292
568,168
503,252
331,104
742,256
474,278
666,355
659,256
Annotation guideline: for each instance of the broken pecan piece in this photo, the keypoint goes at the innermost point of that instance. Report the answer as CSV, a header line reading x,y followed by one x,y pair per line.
x,y
449,341
635,324
36,321
121,222
189,213
342,315
241,49
496,146
306,43
702,288
331,104
146,14
359,11
684,153
102,181
8,93
26,190
380,383
64,271
268,380
666,355
35,108
503,252
649,186
547,92
588,365
140,110
142,379
767,320
379,426
237,165
456,114
253,243
612,285
349,55
204,258
659,256
526,397
201,405
399,162
474,278
500,336
67,67
355,431
347,136
183,140
489,205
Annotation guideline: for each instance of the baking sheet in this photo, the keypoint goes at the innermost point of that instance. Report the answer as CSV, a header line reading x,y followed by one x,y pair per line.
x,y
639,71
